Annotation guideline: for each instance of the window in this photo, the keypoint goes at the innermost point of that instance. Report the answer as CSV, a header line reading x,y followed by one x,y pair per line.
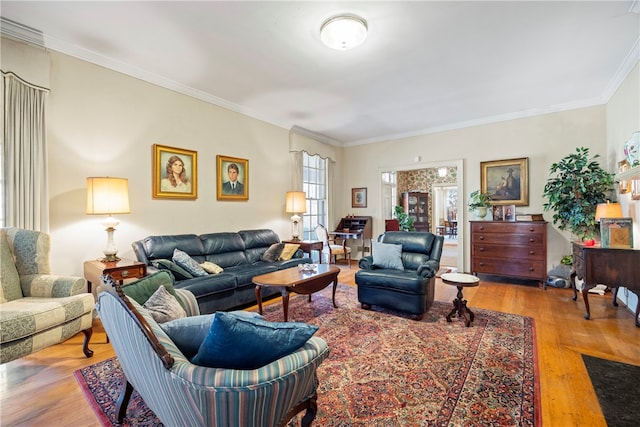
x,y
314,182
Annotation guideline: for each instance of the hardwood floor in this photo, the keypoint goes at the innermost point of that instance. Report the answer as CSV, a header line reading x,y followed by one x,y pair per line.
x,y
40,389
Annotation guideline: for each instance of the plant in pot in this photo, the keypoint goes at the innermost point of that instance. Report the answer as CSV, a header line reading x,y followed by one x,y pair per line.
x,y
479,203
578,183
404,221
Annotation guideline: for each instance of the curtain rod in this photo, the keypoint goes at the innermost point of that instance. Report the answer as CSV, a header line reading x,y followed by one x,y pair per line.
x,y
11,73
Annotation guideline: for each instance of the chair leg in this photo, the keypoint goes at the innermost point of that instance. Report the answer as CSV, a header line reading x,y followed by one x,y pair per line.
x,y
312,409
123,401
85,346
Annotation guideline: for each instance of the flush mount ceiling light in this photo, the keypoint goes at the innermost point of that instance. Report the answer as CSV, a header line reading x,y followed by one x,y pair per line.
x,y
343,32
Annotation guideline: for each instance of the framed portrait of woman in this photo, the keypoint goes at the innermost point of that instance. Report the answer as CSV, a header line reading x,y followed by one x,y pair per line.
x,y
175,173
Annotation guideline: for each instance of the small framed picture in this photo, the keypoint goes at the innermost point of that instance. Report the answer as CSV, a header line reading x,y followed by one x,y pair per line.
x,y
497,211
509,212
616,233
624,186
233,178
358,197
175,173
635,189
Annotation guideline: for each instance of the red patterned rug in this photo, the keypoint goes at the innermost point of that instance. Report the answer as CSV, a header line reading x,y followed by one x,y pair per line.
x,y
387,370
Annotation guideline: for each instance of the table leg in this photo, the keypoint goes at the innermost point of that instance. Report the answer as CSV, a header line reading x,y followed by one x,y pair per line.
x,y
285,304
585,297
259,298
460,306
335,285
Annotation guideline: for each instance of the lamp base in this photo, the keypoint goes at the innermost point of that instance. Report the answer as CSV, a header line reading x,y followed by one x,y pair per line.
x,y
295,239
110,258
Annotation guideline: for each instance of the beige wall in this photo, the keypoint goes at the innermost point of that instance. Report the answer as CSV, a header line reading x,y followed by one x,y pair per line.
x,y
543,139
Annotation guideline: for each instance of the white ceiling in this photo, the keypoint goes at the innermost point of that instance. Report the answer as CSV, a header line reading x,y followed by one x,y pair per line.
x,y
426,66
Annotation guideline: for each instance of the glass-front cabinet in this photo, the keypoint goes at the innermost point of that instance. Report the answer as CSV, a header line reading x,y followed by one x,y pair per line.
x,y
416,205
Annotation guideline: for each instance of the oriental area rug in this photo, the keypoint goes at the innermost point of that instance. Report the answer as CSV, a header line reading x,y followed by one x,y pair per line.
x,y
387,370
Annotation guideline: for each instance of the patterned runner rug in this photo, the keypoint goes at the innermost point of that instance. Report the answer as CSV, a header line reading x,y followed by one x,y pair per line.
x,y
387,370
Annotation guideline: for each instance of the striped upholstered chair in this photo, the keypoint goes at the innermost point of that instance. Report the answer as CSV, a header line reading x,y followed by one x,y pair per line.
x,y
183,394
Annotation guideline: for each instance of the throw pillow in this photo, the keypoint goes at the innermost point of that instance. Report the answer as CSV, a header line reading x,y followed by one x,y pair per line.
x,y
178,272
273,253
188,333
9,279
236,342
288,251
387,255
163,307
185,261
211,268
141,290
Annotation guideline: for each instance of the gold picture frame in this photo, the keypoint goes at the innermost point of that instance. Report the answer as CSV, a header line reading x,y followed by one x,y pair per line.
x,y
169,180
232,178
507,181
359,197
624,186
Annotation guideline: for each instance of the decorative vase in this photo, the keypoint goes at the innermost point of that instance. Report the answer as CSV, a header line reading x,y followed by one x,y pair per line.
x,y
480,212
632,149
589,242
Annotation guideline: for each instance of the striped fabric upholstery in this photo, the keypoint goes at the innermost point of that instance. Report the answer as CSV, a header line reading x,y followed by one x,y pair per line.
x,y
198,396
52,309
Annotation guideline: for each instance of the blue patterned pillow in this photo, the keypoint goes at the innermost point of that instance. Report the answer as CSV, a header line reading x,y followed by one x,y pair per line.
x,y
188,333
185,261
236,342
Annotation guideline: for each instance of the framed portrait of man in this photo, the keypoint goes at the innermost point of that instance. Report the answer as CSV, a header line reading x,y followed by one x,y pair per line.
x,y
175,173
233,178
507,181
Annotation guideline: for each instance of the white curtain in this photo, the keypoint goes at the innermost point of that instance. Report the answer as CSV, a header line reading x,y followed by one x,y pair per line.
x,y
25,195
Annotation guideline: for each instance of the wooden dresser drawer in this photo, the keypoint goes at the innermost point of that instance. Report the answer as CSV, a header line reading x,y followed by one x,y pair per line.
x,y
123,274
510,267
508,227
510,252
532,239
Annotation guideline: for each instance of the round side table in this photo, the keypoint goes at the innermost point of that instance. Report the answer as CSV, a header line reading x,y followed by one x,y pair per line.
x,y
461,280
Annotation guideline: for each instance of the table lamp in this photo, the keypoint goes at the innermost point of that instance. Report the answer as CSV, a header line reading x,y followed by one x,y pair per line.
x,y
296,204
608,210
108,196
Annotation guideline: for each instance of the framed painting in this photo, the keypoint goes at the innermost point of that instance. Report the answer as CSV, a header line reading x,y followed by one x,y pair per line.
x,y
175,173
233,178
507,181
624,186
358,197
616,233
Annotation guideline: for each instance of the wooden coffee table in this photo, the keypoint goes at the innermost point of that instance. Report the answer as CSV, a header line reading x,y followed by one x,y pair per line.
x,y
299,282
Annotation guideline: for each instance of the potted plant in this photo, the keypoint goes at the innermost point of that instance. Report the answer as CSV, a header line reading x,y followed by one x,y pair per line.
x,y
577,186
404,221
478,203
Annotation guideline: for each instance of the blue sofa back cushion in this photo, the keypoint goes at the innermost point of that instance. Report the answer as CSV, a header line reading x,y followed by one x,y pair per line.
x,y
237,342
161,247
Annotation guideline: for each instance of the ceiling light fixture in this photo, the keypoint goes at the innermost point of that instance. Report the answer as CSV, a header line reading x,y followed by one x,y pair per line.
x,y
343,32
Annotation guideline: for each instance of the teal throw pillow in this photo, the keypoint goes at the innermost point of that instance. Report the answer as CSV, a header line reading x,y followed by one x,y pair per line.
x,y
188,333
185,261
141,290
387,255
236,342
178,272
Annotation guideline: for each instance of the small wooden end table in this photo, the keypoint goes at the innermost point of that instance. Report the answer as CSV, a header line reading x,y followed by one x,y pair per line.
x,y
119,270
308,245
300,282
461,280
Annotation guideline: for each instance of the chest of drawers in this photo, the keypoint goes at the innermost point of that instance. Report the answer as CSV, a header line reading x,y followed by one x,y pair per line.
x,y
510,249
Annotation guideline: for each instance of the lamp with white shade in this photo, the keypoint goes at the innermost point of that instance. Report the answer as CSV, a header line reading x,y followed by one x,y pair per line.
x,y
296,203
108,196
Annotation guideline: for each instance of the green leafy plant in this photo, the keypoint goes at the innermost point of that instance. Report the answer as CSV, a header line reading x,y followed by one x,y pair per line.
x,y
578,183
567,260
405,221
479,200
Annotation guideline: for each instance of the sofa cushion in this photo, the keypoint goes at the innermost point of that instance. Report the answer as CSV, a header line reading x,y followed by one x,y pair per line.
x,y
27,316
163,306
188,333
9,279
237,342
178,272
273,253
141,290
185,261
386,255
162,247
211,267
288,251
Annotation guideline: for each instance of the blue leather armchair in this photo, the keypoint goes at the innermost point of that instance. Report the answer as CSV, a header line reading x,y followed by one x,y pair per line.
x,y
410,290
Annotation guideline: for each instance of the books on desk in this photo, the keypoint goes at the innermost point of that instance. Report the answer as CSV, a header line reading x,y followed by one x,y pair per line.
x,y
529,217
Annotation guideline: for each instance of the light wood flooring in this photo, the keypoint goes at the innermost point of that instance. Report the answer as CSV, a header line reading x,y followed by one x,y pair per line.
x,y
40,389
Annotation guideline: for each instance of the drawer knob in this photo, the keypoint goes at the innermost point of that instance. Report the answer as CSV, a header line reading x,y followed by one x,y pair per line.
x,y
481,250
532,229
531,252
532,240
125,273
481,237
531,268
482,264
482,228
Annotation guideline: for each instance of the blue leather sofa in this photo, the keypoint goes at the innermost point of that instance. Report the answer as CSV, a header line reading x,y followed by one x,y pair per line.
x,y
238,253
410,290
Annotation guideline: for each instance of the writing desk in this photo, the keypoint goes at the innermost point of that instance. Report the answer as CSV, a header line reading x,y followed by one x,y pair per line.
x,y
609,266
